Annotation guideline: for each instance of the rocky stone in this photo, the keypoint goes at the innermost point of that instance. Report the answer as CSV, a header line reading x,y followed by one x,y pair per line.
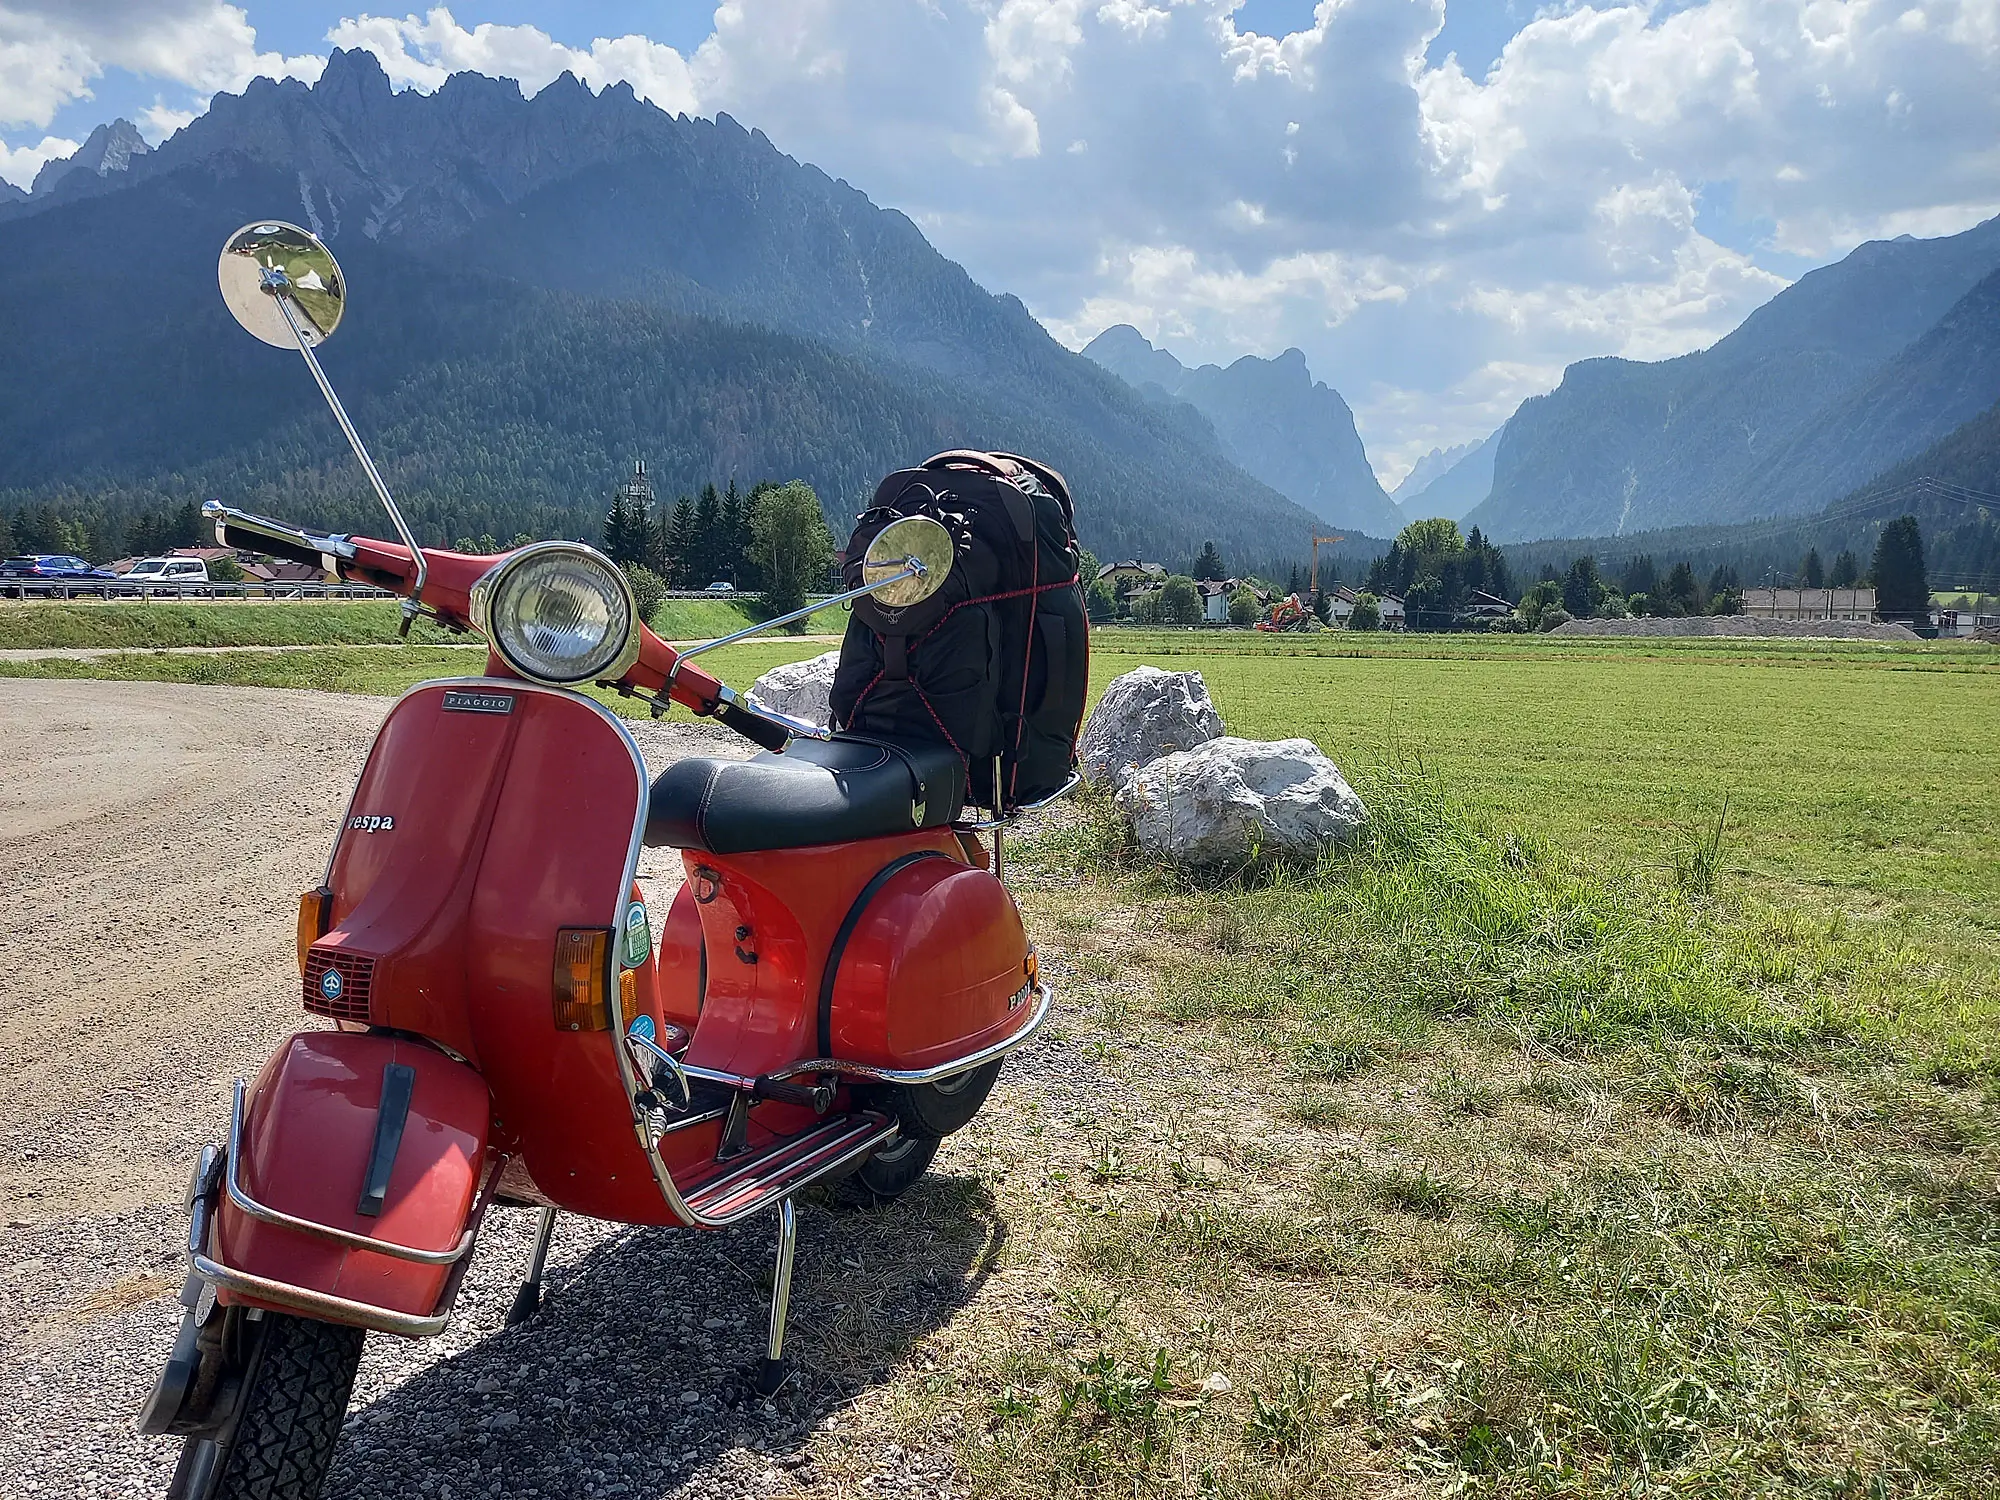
x,y
798,688
1240,804
1143,715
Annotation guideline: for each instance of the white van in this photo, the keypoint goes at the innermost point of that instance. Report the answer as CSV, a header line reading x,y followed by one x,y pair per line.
x,y
168,574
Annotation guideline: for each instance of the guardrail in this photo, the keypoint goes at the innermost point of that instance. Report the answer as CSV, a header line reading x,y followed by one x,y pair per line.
x,y
210,593
182,593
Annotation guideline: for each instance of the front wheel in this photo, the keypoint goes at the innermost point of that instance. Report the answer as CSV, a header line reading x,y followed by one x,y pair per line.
x,y
295,1398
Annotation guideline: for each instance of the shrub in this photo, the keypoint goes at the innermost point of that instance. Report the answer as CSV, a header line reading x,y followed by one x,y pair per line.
x,y
1553,617
648,589
1367,613
1243,608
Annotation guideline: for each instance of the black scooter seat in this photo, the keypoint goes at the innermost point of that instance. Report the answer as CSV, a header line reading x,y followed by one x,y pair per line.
x,y
814,792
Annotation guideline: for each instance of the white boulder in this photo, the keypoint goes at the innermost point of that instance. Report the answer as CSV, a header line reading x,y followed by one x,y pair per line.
x,y
1143,715
798,688
1233,804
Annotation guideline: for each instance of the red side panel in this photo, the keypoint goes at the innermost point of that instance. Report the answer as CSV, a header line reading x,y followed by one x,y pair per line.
x,y
511,813
934,968
308,1131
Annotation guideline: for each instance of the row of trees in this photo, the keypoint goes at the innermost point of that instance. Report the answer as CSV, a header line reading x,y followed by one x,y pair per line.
x,y
84,531
1897,573
774,540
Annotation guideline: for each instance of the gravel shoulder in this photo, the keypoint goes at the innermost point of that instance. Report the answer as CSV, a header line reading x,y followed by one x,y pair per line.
x,y
152,841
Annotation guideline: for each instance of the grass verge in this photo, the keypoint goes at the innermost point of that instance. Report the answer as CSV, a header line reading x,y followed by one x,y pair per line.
x,y
1462,1165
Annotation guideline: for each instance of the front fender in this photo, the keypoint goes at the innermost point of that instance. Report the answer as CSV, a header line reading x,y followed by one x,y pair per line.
x,y
299,1174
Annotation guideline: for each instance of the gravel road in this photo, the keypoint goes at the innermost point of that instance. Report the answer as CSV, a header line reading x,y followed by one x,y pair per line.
x,y
153,838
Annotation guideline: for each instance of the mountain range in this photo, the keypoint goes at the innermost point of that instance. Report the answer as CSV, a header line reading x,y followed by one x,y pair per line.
x,y
1851,370
1460,479
1273,419
541,290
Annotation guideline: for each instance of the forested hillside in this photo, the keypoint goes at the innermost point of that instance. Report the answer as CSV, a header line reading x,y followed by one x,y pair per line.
x,y
542,291
1622,446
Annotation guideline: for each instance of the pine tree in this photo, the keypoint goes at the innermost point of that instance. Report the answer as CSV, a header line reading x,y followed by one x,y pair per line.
x,y
1902,588
705,556
1208,567
1846,571
1812,570
678,536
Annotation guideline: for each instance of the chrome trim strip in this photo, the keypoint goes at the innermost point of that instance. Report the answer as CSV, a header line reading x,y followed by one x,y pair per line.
x,y
283,1220
298,1298
1044,997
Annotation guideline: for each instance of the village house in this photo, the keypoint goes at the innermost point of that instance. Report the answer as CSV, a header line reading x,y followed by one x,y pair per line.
x,y
1216,594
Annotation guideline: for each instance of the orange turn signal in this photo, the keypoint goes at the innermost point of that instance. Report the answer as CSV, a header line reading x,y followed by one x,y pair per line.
x,y
315,916
583,964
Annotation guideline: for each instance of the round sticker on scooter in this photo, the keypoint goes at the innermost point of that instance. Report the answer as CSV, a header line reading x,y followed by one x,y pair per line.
x,y
331,984
638,935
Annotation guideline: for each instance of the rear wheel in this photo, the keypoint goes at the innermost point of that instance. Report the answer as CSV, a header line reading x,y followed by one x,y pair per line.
x,y
888,1173
295,1397
935,1110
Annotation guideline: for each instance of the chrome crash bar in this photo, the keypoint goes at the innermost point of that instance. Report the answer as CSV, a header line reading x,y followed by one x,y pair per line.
x,y
1044,996
345,1237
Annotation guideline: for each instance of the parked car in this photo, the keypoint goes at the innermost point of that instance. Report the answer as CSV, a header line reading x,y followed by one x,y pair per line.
x,y
53,573
720,586
167,574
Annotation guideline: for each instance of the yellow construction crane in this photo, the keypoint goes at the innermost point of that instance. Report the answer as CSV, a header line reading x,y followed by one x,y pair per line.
x,y
1316,541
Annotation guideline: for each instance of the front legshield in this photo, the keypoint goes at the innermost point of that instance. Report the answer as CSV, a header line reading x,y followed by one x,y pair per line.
x,y
348,1191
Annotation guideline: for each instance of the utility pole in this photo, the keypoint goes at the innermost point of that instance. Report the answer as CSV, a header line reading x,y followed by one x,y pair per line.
x,y
1315,578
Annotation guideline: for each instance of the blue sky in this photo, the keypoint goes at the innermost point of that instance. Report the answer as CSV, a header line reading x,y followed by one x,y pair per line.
x,y
1442,202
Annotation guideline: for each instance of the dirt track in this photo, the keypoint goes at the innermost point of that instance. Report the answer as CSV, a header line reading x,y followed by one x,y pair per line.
x,y
153,838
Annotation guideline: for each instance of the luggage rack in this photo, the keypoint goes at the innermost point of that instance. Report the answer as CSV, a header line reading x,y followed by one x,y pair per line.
x,y
998,818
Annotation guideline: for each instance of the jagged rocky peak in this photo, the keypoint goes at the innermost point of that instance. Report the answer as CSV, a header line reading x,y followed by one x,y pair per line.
x,y
109,149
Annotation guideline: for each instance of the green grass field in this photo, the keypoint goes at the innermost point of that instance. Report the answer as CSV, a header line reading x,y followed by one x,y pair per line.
x,y
342,622
1537,1145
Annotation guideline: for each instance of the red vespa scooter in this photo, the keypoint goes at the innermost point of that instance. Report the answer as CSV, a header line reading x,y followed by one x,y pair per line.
x,y
835,989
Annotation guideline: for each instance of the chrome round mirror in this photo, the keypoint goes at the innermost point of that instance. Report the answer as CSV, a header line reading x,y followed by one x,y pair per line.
x,y
908,561
262,263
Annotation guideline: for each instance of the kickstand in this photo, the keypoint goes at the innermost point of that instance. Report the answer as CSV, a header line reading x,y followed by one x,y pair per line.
x,y
771,1372
528,1301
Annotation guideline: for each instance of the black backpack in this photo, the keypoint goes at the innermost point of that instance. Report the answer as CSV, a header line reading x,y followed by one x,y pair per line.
x,y
997,662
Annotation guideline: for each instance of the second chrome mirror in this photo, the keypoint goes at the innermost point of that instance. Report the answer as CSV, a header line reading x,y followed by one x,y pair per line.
x,y
908,561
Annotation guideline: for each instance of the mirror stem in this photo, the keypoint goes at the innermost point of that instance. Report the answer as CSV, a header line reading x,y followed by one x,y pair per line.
x,y
412,604
913,569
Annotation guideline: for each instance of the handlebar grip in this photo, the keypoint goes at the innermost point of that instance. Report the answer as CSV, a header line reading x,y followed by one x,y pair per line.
x,y
753,726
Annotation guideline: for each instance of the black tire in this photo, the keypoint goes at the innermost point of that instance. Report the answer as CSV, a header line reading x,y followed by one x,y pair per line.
x,y
281,1444
934,1110
888,1173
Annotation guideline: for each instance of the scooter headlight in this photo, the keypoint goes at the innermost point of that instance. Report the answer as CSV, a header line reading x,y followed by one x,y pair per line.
x,y
559,613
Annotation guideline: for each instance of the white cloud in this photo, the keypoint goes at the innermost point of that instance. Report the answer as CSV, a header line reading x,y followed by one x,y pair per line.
x,y
1440,245
19,165
52,50
421,52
